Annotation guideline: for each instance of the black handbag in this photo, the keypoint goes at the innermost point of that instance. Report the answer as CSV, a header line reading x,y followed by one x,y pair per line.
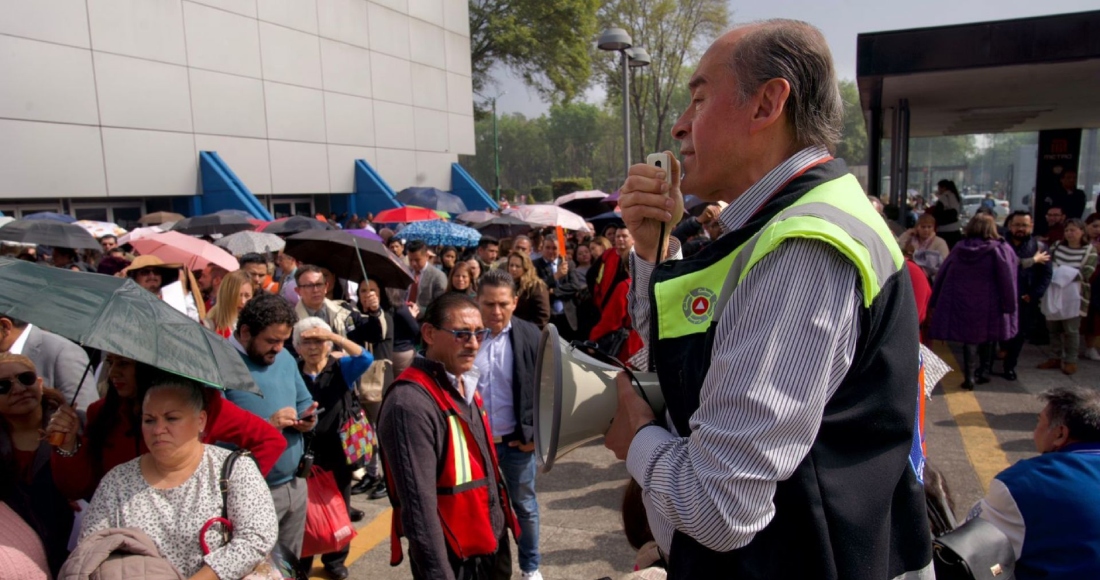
x,y
976,550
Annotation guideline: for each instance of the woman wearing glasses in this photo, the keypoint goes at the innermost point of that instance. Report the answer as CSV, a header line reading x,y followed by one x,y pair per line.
x,y
28,485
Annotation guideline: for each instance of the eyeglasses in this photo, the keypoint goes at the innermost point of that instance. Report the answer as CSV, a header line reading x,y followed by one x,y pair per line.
x,y
466,335
27,379
146,272
316,286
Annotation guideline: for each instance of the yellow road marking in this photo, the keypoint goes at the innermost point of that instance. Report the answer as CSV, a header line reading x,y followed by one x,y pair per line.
x,y
369,536
982,448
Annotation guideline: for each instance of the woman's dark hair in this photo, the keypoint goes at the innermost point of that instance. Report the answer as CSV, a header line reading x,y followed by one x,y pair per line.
x,y
948,185
440,310
461,267
265,310
99,429
635,522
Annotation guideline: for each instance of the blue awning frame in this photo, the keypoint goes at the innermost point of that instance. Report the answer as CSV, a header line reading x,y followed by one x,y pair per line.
x,y
470,191
372,193
222,189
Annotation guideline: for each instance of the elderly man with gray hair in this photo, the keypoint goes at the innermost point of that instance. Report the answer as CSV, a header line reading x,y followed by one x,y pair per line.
x,y
331,381
787,351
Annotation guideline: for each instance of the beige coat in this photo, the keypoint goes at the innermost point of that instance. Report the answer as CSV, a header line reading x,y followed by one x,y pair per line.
x,y
118,554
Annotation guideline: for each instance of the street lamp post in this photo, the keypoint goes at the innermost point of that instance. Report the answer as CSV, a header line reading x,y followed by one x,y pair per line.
x,y
617,40
496,150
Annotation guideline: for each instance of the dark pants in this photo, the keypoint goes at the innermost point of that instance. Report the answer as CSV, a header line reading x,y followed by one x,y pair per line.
x,y
341,472
1028,316
374,466
497,566
976,356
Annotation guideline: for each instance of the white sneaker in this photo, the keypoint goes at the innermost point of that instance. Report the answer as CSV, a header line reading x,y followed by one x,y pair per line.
x,y
536,575
1092,354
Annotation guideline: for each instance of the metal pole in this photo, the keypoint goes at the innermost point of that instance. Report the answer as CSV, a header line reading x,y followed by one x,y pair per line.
x,y
626,111
496,150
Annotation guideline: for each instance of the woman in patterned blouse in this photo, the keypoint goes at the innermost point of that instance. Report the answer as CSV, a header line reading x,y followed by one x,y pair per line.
x,y
172,491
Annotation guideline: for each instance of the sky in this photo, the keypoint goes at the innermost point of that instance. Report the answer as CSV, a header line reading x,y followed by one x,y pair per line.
x,y
840,20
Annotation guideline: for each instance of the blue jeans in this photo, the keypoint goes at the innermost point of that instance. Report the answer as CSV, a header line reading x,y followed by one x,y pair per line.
x,y
519,468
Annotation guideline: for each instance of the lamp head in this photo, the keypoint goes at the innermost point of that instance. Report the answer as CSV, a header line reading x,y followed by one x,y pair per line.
x,y
637,57
614,39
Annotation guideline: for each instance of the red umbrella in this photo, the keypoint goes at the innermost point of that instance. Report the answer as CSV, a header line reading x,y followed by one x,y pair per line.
x,y
405,215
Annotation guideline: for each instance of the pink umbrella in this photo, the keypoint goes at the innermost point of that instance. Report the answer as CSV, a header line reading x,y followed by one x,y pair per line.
x,y
177,248
548,215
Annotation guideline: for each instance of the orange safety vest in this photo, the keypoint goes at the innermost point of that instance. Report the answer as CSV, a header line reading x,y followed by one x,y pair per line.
x,y
462,488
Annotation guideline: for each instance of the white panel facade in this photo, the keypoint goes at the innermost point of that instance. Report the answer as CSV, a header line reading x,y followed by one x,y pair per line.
x,y
142,94
115,98
143,163
65,95
224,104
60,21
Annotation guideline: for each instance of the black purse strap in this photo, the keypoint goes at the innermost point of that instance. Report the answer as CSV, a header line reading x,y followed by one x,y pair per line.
x,y
227,472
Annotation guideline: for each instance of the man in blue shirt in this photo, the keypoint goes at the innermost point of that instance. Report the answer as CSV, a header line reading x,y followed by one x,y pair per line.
x,y
263,326
506,368
1049,506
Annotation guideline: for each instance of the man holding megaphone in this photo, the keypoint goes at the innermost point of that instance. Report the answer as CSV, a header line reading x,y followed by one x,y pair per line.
x,y
786,350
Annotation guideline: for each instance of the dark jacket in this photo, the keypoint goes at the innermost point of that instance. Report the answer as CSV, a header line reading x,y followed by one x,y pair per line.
x,y
44,508
974,298
414,433
565,289
1031,279
525,346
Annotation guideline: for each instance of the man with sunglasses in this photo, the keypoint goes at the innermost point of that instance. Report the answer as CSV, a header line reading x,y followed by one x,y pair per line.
x,y
442,473
60,362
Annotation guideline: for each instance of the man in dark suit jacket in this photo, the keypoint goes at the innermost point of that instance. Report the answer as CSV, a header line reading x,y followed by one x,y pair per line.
x,y
60,362
564,283
506,363
430,282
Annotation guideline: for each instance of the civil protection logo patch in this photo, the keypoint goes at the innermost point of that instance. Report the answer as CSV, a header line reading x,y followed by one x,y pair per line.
x,y
698,304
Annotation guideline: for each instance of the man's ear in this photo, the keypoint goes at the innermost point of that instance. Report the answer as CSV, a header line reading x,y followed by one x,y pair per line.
x,y
427,333
771,103
1062,437
244,334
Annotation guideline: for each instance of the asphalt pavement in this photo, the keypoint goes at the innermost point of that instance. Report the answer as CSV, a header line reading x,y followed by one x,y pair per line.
x,y
970,437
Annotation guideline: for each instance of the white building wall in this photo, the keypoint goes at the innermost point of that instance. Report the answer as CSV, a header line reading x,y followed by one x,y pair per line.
x,y
115,98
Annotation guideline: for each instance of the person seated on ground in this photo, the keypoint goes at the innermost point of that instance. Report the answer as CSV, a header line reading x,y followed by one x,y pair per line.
x,y
461,280
331,381
648,562
234,292
1049,506
25,407
172,491
112,436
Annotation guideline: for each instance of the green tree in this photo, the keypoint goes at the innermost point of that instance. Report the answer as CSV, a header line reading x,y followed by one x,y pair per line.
x,y
675,33
547,43
853,142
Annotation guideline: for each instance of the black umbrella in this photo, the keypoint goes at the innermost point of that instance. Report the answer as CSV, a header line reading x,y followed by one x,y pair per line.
x,y
48,233
504,227
432,198
116,315
207,225
293,225
347,255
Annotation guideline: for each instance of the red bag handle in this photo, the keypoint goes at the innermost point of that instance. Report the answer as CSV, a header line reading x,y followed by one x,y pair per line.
x,y
206,527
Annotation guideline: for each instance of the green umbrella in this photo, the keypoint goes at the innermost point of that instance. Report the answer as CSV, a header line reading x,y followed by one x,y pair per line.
x,y
116,315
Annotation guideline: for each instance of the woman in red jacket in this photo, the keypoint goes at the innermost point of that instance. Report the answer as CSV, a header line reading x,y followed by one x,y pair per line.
x,y
113,433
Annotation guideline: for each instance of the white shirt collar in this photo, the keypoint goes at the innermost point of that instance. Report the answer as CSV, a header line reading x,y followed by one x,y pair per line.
x,y
469,380
21,342
741,210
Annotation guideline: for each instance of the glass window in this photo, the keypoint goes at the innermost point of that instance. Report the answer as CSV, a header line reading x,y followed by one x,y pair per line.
x,y
303,208
97,214
281,210
127,217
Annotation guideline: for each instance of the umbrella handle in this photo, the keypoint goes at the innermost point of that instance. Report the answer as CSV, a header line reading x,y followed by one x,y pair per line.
x,y
360,256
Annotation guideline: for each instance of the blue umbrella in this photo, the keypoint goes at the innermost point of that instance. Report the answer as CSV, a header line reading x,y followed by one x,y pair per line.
x,y
432,198
51,216
437,233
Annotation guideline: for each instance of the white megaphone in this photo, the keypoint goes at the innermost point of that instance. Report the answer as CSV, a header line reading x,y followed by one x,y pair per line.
x,y
576,397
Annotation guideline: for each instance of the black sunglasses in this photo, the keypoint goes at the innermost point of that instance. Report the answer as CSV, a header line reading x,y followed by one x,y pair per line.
x,y
27,379
465,335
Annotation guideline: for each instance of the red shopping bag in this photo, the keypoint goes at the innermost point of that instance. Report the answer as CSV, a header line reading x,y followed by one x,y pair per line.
x,y
328,527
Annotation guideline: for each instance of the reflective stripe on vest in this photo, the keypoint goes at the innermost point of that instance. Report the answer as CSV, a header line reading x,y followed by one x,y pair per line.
x,y
836,212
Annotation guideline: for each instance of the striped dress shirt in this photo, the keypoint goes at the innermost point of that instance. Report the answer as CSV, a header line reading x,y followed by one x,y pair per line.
x,y
782,347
